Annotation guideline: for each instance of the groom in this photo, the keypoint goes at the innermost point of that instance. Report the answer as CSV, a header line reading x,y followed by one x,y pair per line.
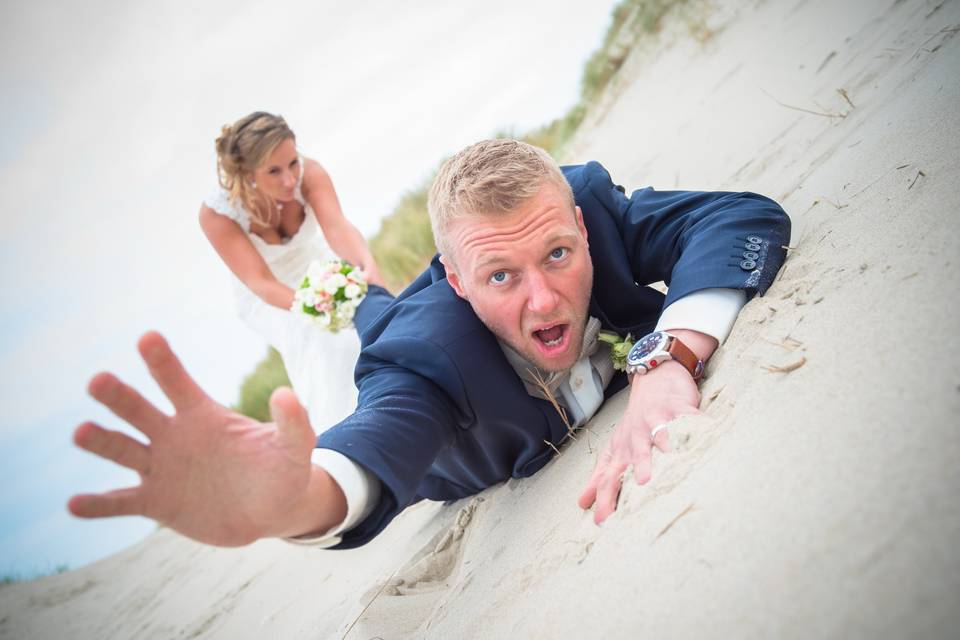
x,y
459,376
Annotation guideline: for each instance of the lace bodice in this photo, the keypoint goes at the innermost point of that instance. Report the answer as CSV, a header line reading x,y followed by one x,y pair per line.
x,y
219,201
289,260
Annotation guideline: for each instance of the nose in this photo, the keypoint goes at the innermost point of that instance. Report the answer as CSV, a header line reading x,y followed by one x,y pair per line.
x,y
542,297
288,180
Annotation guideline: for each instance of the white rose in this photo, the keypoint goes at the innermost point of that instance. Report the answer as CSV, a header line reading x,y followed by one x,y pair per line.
x,y
324,319
352,291
329,286
306,296
334,282
347,311
316,273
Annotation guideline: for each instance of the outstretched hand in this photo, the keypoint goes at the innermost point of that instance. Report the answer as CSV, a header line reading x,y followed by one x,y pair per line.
x,y
208,472
655,399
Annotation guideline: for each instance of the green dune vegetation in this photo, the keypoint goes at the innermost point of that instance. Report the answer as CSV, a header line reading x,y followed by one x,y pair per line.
x,y
404,245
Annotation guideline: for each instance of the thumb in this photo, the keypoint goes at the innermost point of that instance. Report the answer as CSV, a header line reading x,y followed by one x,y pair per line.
x,y
293,423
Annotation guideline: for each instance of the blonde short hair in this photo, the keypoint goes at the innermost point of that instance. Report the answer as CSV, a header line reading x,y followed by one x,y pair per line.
x,y
243,147
488,178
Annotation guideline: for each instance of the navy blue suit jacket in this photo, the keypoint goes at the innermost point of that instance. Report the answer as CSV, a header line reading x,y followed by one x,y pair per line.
x,y
442,415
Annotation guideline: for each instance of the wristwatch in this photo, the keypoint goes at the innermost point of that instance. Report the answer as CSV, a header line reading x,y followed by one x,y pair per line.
x,y
656,348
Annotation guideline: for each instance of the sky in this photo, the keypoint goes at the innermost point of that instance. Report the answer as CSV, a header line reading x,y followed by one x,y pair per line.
x,y
109,110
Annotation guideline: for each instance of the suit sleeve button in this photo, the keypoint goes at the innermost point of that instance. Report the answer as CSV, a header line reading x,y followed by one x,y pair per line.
x,y
754,239
750,255
751,247
748,265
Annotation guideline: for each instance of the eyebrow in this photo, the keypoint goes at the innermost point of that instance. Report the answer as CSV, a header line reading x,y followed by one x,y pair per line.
x,y
490,259
278,166
494,258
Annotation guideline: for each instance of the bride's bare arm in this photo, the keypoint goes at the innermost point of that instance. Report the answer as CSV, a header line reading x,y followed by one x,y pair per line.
x,y
344,238
239,254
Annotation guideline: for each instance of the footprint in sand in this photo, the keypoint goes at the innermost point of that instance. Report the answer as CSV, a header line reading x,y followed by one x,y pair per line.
x,y
418,589
430,568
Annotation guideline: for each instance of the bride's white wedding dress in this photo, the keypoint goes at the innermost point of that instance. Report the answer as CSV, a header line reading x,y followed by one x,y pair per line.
x,y
319,363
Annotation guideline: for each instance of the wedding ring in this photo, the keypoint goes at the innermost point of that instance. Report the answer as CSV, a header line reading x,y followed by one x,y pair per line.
x,y
656,430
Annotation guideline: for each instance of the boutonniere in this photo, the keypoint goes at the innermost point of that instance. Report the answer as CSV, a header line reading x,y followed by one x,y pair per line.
x,y
619,348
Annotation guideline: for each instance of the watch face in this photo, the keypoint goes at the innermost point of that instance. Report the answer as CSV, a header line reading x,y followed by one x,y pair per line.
x,y
650,343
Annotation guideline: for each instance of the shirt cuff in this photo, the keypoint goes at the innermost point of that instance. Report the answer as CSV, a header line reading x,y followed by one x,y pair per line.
x,y
709,311
360,487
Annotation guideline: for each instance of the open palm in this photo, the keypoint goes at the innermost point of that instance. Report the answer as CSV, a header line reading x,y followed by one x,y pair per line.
x,y
207,472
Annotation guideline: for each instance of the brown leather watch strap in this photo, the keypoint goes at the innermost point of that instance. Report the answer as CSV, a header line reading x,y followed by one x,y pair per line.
x,y
682,354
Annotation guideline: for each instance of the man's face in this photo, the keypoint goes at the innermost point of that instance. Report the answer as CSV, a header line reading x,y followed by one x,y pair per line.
x,y
528,276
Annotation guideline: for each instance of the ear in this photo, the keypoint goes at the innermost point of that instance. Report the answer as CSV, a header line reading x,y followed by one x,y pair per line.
x,y
452,277
582,227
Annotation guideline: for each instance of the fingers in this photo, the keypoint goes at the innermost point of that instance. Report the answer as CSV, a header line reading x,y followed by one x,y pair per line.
x,y
603,489
660,438
169,373
662,442
124,401
642,457
608,491
293,423
589,494
660,433
113,445
633,447
122,502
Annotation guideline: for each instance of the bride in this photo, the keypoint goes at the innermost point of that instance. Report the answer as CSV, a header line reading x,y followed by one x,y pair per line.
x,y
274,213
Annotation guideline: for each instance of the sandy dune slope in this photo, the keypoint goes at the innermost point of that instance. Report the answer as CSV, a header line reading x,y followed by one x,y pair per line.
x,y
817,495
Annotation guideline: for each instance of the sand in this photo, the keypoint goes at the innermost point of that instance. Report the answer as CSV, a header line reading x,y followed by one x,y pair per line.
x,y
816,495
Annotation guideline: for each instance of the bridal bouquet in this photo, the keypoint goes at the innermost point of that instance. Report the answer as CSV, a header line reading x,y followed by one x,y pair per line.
x,y
329,294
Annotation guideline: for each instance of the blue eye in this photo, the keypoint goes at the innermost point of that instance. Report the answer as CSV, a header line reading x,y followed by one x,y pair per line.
x,y
559,253
500,277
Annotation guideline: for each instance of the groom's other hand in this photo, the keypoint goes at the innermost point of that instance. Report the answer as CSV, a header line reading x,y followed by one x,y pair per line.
x,y
208,472
656,398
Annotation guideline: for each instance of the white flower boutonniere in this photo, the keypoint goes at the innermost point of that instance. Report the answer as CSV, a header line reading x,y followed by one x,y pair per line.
x,y
619,348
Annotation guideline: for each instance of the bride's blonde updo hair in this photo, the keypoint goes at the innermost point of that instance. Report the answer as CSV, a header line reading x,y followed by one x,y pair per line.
x,y
241,148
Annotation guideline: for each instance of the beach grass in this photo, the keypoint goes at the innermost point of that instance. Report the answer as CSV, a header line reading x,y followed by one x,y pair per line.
x,y
13,577
259,384
404,244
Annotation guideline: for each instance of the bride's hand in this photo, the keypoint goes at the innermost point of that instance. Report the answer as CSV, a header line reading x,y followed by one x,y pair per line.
x,y
207,472
372,274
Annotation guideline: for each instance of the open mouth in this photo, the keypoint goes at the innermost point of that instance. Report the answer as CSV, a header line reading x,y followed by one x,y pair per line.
x,y
552,339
